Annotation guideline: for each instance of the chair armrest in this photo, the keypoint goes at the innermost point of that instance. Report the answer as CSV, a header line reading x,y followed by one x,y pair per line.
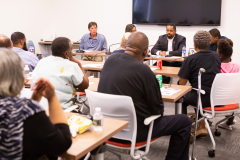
x,y
148,120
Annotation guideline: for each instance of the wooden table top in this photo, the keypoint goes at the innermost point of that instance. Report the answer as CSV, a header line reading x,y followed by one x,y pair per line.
x,y
178,95
166,71
86,142
93,53
49,43
154,57
173,98
94,86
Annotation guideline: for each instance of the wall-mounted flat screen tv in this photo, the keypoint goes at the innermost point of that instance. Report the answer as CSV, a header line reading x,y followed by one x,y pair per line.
x,y
180,12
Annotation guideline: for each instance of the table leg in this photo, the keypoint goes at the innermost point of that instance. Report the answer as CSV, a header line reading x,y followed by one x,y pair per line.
x,y
98,153
178,106
96,74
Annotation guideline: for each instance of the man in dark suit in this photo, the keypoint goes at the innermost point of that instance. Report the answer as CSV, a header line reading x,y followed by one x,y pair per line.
x,y
170,44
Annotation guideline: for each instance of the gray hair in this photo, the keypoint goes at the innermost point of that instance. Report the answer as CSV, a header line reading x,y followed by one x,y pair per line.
x,y
202,40
11,73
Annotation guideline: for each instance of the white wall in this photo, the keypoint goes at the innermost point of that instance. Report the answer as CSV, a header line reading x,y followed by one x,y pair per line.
x,y
70,18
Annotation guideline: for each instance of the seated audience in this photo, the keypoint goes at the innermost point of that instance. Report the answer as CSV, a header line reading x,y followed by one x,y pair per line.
x,y
216,36
63,71
5,42
20,46
206,59
125,74
130,28
123,43
225,50
26,131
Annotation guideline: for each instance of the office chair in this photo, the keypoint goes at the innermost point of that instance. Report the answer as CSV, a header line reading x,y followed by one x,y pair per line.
x,y
122,108
225,98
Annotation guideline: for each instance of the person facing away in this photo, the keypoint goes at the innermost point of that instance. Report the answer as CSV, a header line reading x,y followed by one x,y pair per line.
x,y
225,50
5,42
93,41
130,28
26,131
125,74
189,70
170,44
63,71
20,47
216,36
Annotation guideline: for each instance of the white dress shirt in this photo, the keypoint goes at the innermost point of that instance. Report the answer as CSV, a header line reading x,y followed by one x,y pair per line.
x,y
170,43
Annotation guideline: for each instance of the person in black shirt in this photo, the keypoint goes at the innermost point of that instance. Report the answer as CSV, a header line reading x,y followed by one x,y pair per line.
x,y
216,36
125,74
206,59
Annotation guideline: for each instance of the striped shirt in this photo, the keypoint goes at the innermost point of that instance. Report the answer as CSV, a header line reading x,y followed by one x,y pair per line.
x,y
98,43
13,112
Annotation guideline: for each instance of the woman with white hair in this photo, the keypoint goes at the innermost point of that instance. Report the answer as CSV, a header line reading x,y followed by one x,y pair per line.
x,y
26,132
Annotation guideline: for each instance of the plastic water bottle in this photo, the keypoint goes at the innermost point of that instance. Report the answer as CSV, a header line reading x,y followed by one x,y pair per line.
x,y
26,71
184,51
31,49
97,120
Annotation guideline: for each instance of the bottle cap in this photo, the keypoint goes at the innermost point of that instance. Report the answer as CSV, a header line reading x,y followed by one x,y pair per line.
x,y
97,109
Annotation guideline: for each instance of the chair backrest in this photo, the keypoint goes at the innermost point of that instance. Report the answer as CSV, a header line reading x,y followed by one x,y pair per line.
x,y
225,89
116,107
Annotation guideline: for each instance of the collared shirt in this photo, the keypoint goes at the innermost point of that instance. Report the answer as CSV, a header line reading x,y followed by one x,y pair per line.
x,y
98,43
28,58
170,43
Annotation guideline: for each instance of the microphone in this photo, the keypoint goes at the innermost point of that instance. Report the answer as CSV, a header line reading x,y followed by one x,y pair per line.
x,y
81,50
108,52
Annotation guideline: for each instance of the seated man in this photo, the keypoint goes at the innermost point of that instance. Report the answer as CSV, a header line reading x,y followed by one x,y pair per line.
x,y
216,36
125,74
170,44
63,71
5,42
93,41
19,46
206,59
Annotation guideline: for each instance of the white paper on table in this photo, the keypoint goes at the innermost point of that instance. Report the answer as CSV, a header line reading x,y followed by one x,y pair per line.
x,y
175,57
92,65
156,56
29,78
153,69
169,91
90,83
87,51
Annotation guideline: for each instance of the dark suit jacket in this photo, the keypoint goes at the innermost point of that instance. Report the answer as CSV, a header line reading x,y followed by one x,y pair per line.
x,y
162,44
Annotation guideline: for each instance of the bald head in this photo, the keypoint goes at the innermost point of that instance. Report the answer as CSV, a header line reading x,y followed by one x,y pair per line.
x,y
137,45
5,42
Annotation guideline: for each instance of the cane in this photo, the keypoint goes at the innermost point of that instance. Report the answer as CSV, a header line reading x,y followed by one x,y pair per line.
x,y
201,70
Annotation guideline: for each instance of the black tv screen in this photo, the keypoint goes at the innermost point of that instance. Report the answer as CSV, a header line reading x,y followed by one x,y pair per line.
x,y
180,12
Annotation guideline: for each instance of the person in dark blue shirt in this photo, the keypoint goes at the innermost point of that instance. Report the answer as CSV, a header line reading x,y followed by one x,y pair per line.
x,y
215,33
